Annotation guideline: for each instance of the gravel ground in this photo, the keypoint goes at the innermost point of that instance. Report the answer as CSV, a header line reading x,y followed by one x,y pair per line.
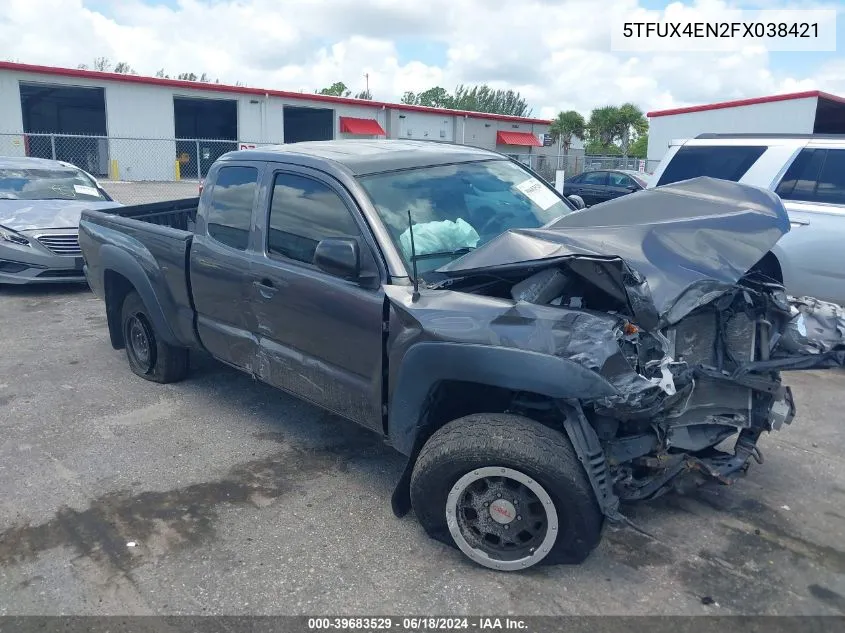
x,y
241,500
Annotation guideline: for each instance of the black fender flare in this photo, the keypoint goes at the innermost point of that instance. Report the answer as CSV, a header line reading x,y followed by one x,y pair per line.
x,y
123,263
429,363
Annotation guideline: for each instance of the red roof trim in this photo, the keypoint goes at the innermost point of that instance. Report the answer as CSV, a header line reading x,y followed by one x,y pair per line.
x,y
747,102
352,125
196,85
526,139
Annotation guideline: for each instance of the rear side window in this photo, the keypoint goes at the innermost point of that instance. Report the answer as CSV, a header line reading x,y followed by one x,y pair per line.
x,y
594,178
725,162
230,210
799,181
816,175
831,185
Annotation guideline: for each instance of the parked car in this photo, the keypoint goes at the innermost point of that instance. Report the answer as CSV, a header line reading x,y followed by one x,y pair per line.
x,y
807,172
40,205
601,185
536,364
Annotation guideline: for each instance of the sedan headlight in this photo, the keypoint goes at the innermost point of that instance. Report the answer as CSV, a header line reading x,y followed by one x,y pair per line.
x,y
8,235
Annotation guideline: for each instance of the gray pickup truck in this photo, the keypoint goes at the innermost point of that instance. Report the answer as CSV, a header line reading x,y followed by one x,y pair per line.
x,y
537,365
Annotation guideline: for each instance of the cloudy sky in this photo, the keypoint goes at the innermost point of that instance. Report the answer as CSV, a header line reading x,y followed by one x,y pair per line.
x,y
557,53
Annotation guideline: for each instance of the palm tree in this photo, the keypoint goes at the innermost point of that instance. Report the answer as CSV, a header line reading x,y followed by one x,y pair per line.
x,y
566,126
630,117
604,125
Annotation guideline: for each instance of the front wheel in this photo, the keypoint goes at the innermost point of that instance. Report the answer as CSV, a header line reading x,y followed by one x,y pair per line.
x,y
507,491
149,357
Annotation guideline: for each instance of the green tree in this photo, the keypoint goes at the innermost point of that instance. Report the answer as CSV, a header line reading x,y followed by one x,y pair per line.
x,y
630,122
124,69
471,98
594,147
161,74
485,99
364,94
436,97
337,89
603,126
186,76
100,63
639,148
566,126
613,128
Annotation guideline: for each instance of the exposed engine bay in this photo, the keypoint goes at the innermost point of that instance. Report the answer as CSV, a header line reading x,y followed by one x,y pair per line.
x,y
686,336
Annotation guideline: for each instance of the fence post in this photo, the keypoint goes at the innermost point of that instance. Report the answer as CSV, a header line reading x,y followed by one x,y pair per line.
x,y
199,166
53,145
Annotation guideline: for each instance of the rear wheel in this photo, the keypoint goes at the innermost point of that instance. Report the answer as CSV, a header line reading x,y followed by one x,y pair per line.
x,y
507,491
149,357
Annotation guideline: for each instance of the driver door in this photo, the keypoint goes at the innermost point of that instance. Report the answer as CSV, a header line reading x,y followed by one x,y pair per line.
x,y
319,336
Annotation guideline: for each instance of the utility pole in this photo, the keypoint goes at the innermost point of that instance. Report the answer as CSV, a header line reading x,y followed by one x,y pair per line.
x,y
367,78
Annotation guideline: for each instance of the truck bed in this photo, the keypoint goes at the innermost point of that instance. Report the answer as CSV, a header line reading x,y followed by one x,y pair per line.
x,y
178,214
145,246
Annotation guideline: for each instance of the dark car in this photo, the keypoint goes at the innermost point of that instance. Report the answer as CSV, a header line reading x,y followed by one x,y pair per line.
x,y
536,365
40,204
601,185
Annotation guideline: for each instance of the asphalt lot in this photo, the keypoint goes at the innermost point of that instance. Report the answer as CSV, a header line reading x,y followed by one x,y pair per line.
x,y
242,500
127,192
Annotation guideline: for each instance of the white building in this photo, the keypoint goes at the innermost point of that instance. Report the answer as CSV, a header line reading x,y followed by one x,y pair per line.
x,y
811,112
138,128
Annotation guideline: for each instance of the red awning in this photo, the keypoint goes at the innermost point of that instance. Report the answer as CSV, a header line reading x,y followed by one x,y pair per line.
x,y
351,125
518,138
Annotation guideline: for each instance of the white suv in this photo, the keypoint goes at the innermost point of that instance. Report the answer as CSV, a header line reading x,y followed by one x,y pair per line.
x,y
807,172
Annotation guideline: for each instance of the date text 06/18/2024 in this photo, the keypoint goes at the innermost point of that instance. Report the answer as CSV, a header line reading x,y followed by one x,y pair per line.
x,y
415,623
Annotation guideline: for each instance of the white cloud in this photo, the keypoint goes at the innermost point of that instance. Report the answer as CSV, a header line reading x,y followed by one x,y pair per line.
x,y
556,52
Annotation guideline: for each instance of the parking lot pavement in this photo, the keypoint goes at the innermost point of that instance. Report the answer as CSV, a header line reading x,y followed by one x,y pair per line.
x,y
144,192
239,499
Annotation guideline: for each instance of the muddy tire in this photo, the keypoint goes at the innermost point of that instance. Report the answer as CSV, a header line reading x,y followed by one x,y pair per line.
x,y
149,357
507,491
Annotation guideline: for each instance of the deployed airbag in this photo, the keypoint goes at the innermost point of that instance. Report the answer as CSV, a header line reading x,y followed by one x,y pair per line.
x,y
442,236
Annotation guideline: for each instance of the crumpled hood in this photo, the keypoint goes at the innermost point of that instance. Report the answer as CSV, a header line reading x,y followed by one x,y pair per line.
x,y
25,215
690,239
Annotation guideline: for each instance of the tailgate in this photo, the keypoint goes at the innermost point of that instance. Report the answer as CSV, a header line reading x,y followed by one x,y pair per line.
x,y
152,258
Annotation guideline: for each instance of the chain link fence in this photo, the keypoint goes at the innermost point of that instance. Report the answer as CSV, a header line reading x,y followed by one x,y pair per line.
x,y
132,170
141,170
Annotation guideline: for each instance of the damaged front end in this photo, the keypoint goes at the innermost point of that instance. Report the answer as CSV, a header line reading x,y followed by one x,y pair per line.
x,y
653,294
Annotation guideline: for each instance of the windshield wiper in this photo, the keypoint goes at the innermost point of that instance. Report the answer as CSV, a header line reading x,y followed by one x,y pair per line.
x,y
455,253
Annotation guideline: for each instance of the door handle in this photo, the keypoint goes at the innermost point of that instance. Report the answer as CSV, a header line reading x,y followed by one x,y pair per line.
x,y
265,288
798,223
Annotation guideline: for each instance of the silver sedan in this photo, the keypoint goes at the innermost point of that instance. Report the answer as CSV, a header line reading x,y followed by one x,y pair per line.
x,y
40,205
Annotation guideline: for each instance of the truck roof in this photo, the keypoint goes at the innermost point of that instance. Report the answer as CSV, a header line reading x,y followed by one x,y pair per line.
x,y
360,157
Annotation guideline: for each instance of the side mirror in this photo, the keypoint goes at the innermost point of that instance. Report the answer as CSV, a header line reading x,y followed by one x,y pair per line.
x,y
578,201
339,256
632,188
